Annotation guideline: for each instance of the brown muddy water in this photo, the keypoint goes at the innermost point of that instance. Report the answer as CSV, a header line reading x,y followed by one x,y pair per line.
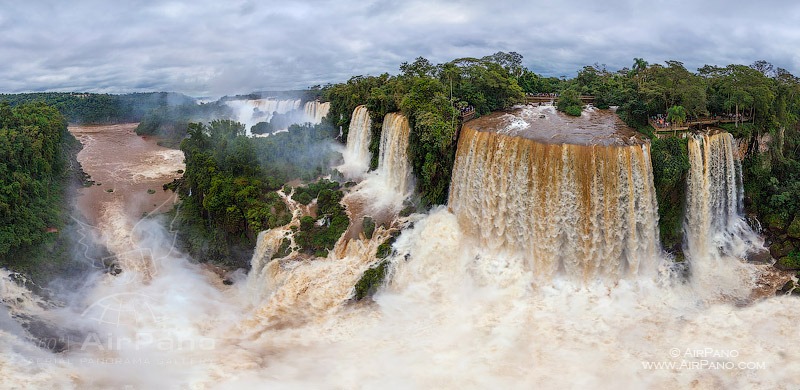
x,y
127,169
545,124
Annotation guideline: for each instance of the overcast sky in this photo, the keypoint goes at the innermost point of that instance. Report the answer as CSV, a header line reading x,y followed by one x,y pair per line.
x,y
211,48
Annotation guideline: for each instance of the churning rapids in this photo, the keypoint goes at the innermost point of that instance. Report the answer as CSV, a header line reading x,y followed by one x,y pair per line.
x,y
543,271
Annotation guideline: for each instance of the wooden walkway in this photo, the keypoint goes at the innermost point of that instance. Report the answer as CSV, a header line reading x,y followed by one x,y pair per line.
x,y
466,116
699,122
586,99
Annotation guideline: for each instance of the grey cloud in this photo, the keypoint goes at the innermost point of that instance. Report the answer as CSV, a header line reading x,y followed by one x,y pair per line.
x,y
214,48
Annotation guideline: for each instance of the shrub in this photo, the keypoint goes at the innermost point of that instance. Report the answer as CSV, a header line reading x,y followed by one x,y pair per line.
x,y
370,281
573,110
369,227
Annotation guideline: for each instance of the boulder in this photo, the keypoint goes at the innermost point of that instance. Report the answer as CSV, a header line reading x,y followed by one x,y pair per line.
x,y
761,256
788,286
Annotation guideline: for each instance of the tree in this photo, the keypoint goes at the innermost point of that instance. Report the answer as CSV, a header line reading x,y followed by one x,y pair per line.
x,y
676,115
511,62
570,102
639,66
32,136
764,67
662,87
745,88
529,82
421,67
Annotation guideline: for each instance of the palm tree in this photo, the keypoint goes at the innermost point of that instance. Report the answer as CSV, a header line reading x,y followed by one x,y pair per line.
x,y
676,115
639,66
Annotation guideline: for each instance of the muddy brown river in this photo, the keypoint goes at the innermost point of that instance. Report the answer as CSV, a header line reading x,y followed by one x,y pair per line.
x,y
128,170
545,124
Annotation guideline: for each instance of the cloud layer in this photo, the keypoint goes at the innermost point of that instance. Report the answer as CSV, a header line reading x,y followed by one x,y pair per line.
x,y
214,48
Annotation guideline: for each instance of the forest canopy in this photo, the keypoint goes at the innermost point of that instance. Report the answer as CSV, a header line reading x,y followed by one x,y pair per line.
x,y
95,108
32,162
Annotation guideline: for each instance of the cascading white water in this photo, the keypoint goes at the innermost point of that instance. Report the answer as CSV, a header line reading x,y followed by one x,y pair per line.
x,y
716,234
270,105
393,164
713,197
250,112
383,190
314,111
356,154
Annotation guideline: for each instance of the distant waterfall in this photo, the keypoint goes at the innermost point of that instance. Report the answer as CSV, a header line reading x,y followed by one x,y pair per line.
x,y
314,111
588,211
250,112
393,163
356,154
272,105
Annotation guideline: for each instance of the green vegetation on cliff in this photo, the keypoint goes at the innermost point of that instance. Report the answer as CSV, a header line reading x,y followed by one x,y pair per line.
x,y
375,275
670,159
318,235
34,151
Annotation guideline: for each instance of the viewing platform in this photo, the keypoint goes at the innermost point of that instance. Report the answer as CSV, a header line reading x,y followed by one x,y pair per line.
x,y
552,98
663,130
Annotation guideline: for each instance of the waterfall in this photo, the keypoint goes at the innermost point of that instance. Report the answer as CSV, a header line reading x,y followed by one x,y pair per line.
x,y
281,106
714,227
356,154
385,189
393,162
314,111
713,200
586,210
250,112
